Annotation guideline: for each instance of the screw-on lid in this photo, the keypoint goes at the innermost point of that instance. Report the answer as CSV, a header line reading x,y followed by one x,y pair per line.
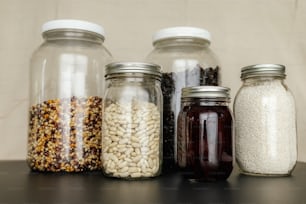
x,y
181,32
133,68
73,24
257,70
207,92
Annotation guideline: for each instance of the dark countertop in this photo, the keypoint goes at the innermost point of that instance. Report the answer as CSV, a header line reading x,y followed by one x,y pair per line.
x,y
19,185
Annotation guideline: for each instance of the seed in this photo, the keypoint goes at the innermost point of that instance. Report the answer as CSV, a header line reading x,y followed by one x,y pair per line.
x,y
134,169
115,139
119,133
137,151
131,164
149,174
128,151
124,169
143,140
132,142
112,128
124,141
68,132
144,149
134,139
121,157
124,174
135,175
137,158
113,144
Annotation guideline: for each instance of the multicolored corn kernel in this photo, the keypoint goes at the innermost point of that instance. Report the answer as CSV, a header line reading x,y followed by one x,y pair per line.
x,y
65,135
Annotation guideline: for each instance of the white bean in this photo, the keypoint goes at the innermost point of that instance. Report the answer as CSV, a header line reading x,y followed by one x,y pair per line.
x,y
131,140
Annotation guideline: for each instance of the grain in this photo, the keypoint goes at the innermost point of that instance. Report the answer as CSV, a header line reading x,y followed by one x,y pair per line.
x,y
265,129
65,135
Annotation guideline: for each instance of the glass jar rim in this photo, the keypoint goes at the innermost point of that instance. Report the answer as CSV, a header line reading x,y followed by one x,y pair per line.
x,y
262,70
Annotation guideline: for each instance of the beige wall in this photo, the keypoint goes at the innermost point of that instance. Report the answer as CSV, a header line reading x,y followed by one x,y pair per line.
x,y
244,32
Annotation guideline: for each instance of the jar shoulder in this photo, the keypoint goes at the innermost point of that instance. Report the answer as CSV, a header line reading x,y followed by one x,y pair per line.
x,y
277,95
264,88
49,51
72,47
181,52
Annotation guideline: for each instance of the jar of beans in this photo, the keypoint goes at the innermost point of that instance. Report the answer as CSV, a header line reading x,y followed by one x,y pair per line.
x,y
186,60
66,89
205,133
132,109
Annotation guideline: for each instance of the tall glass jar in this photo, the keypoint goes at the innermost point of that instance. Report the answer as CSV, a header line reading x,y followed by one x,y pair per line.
x,y
264,109
66,89
132,110
205,133
186,60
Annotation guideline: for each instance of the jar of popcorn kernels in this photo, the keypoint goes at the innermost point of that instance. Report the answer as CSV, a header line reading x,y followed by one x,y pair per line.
x,y
66,90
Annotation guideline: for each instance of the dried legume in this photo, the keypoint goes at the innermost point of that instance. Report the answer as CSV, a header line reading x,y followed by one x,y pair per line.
x,y
131,140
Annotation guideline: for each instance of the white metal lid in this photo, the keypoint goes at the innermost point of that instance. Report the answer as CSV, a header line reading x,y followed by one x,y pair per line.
x,y
181,32
73,24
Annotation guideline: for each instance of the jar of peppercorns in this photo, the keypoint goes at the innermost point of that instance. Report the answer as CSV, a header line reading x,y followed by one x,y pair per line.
x,y
186,60
66,89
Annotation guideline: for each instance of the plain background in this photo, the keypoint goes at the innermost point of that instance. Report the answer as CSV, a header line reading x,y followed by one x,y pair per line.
x,y
244,32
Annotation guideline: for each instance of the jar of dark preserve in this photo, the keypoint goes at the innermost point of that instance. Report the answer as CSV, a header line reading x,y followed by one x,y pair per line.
x,y
205,133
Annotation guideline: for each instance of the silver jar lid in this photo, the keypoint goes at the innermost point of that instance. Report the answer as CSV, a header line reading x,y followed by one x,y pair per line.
x,y
207,92
257,70
133,68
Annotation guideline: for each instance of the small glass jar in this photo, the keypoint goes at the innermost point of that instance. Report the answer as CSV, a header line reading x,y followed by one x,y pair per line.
x,y
264,110
186,60
66,89
132,109
205,133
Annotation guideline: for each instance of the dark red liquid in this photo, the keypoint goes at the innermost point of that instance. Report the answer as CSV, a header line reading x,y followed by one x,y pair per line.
x,y
208,142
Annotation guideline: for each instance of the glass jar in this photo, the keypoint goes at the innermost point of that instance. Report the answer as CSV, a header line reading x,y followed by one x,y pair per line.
x,y
132,109
186,60
205,133
264,110
66,89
